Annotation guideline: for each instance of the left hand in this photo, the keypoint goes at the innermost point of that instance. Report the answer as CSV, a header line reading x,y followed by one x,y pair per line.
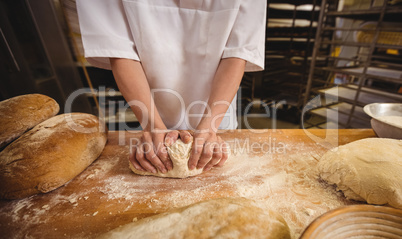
x,y
150,153
209,150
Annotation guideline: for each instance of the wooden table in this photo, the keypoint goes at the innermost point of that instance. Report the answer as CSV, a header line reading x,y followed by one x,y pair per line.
x,y
276,168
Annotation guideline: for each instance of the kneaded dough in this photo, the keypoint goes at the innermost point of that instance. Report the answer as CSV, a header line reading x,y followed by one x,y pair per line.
x,y
367,170
217,218
179,153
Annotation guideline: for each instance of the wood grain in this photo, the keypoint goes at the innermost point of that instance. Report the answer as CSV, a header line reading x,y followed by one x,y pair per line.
x,y
107,194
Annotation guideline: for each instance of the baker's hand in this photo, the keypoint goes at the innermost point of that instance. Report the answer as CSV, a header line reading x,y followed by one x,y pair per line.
x,y
209,150
150,152
172,136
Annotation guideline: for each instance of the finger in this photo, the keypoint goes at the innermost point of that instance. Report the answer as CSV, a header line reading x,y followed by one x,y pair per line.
x,y
171,137
135,163
225,153
206,155
161,151
186,137
144,163
131,156
151,156
216,157
197,147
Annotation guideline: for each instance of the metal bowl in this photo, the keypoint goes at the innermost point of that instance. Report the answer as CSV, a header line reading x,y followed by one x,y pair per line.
x,y
381,127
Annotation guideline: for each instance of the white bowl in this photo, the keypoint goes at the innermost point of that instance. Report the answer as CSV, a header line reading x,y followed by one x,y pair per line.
x,y
386,119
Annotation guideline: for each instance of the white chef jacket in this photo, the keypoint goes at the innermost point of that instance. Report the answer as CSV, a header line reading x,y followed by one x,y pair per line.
x,y
179,43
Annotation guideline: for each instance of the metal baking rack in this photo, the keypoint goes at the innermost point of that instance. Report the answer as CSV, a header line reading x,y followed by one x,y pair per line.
x,y
363,65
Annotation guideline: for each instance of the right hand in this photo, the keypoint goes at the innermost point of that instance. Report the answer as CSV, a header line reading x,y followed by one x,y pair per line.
x,y
150,154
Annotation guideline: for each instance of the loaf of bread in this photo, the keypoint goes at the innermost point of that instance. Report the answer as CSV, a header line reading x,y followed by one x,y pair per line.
x,y
21,113
215,218
51,154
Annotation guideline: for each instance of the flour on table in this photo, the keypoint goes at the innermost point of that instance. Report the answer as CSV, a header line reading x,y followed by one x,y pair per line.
x,y
286,182
179,153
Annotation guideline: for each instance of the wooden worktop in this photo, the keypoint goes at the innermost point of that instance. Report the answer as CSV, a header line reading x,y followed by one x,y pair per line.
x,y
274,167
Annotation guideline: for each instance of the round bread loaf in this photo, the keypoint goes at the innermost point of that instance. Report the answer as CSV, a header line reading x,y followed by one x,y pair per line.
x,y
19,114
50,154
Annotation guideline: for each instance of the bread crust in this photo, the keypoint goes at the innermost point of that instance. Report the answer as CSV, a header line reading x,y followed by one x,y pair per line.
x,y
21,113
51,154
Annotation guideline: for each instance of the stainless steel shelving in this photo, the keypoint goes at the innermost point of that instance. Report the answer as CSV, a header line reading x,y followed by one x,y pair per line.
x,y
290,36
363,66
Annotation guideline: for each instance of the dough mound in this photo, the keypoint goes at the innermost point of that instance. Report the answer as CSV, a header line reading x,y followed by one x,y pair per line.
x,y
179,153
367,170
217,218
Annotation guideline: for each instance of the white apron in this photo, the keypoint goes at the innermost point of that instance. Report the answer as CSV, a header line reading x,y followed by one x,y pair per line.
x,y
179,43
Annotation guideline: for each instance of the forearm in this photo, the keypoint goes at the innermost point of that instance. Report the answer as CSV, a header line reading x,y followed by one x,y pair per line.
x,y
225,85
133,85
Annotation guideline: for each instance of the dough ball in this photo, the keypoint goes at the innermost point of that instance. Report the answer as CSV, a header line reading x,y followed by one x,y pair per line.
x,y
218,218
50,154
179,153
21,113
367,170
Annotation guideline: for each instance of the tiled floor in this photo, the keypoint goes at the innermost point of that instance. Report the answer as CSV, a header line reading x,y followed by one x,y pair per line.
x,y
257,119
266,123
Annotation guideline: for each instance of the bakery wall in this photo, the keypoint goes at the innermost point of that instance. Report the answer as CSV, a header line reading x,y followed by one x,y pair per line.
x,y
35,54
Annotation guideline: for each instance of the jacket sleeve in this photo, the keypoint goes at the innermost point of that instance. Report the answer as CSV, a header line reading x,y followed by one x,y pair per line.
x,y
247,38
105,32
